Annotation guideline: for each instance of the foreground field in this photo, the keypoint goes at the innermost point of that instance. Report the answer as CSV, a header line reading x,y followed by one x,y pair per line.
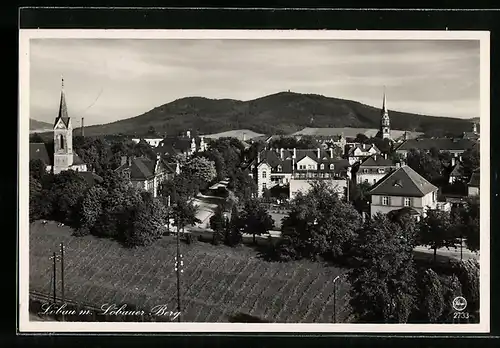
x,y
218,282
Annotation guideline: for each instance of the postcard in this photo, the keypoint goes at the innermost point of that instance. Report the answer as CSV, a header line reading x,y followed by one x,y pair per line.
x,y
254,181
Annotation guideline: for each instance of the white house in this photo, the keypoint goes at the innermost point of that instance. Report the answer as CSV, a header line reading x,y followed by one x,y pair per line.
x,y
373,168
403,188
358,152
154,142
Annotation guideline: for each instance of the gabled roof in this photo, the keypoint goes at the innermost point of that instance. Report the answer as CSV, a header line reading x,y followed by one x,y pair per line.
x,y
376,161
38,151
440,144
474,179
456,170
403,181
362,147
142,168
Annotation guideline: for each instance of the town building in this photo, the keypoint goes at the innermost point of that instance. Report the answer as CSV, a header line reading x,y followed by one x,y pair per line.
x,y
295,168
473,184
147,174
455,171
454,146
403,188
372,169
153,142
184,145
473,135
356,152
59,156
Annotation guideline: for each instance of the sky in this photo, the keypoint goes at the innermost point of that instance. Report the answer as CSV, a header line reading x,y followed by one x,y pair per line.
x,y
106,80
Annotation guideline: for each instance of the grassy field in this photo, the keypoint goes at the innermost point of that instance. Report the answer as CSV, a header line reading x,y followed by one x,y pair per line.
x,y
218,282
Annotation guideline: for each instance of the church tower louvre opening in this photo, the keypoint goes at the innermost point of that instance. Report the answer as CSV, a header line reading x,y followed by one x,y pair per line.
x,y
63,136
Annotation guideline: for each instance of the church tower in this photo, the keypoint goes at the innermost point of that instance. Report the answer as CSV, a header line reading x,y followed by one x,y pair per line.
x,y
385,123
63,137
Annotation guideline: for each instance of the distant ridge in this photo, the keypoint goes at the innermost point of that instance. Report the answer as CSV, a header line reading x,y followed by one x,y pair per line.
x,y
280,113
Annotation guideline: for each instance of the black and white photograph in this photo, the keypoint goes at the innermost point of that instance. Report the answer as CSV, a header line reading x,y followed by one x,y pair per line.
x,y
254,181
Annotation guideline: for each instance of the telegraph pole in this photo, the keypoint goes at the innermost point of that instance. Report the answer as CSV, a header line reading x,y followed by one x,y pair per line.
x,y
178,268
54,257
62,276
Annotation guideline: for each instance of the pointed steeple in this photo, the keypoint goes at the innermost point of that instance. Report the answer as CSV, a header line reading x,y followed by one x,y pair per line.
x,y
63,109
384,103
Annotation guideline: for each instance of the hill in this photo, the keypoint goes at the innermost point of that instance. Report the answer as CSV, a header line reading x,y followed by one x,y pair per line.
x,y
39,125
280,113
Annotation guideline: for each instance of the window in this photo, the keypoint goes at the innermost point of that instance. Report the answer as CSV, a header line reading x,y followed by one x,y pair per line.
x,y
322,166
264,174
374,181
434,196
365,171
61,141
385,200
332,167
264,186
302,167
407,202
327,175
310,166
280,168
381,170
366,180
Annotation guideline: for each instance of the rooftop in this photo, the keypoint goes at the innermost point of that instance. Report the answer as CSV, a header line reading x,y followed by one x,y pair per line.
x,y
403,181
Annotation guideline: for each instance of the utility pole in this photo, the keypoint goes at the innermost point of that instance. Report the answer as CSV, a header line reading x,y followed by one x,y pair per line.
x,y
178,266
54,259
62,276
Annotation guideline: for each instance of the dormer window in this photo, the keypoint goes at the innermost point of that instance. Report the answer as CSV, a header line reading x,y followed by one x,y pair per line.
x,y
332,167
398,183
279,168
322,166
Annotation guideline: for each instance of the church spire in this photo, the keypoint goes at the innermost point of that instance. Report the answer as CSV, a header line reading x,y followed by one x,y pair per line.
x,y
63,109
384,103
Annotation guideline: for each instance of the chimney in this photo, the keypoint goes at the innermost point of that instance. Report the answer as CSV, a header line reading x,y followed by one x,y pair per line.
x,y
375,158
331,152
123,160
319,153
129,159
281,154
294,153
258,157
82,128
453,161
188,134
244,136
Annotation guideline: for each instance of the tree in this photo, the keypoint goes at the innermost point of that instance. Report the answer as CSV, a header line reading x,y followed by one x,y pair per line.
x,y
424,164
201,170
35,212
242,184
184,213
320,223
148,223
431,297
37,169
383,283
469,223
234,236
435,230
215,156
181,187
255,218
91,209
36,138
65,194
470,161
219,224
467,272
361,138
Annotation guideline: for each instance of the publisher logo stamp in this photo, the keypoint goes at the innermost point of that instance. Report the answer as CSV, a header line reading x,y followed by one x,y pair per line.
x,y
459,303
